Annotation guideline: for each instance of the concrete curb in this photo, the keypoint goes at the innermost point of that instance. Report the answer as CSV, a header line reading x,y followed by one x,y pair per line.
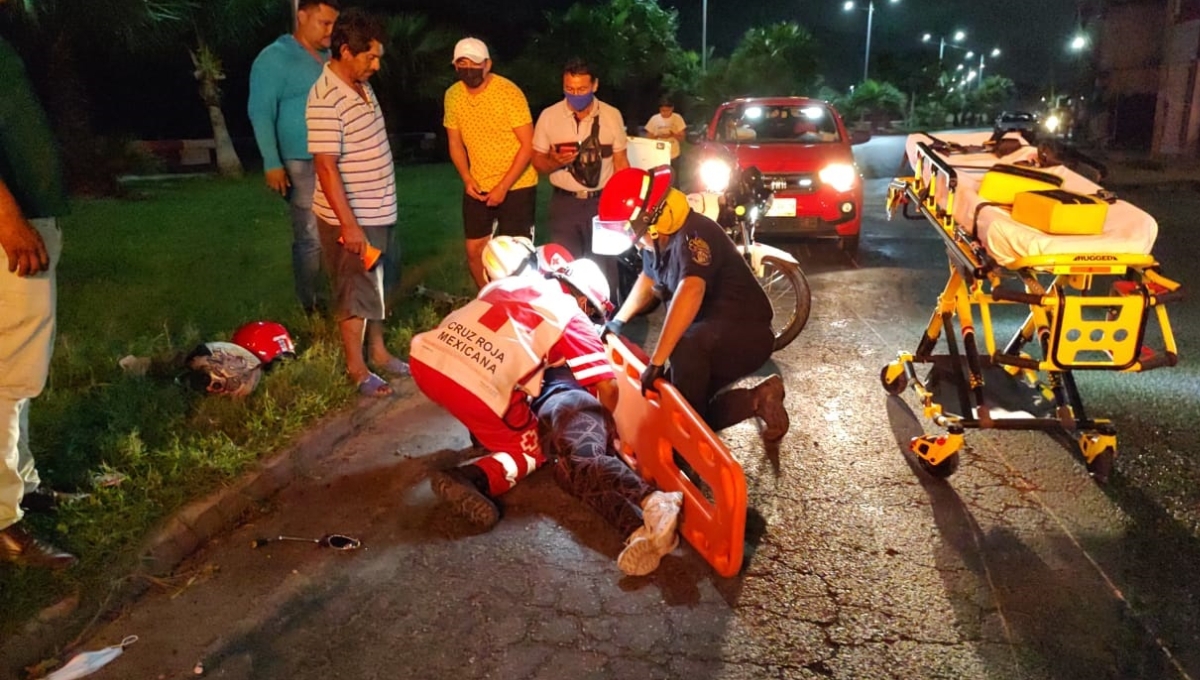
x,y
196,523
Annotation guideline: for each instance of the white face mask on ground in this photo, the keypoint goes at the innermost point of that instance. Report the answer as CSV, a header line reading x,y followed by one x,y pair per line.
x,y
89,662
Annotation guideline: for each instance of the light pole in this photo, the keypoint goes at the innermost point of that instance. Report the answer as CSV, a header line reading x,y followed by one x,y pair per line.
x,y
870,10
958,37
704,36
995,53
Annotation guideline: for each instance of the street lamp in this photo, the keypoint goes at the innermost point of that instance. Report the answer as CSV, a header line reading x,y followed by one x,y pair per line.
x,y
870,10
1079,42
995,53
958,37
704,36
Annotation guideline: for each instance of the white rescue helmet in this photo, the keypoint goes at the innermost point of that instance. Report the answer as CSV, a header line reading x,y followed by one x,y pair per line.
x,y
583,277
506,256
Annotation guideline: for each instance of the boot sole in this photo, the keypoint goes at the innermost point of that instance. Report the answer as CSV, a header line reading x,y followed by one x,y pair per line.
x,y
467,501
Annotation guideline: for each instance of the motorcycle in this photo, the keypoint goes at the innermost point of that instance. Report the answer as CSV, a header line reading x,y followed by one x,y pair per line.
x,y
736,200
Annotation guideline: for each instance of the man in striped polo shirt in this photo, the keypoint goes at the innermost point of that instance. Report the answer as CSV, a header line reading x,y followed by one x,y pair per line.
x,y
355,199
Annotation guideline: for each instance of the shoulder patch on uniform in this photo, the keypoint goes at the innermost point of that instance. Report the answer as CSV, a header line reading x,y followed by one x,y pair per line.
x,y
701,253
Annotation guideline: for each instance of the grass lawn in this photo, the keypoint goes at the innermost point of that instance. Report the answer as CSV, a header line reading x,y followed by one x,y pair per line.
x,y
182,262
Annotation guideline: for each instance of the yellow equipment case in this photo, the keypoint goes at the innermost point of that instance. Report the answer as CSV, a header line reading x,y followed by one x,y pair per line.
x,y
1001,183
1057,211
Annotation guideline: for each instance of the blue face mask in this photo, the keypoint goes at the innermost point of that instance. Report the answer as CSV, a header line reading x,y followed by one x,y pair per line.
x,y
580,102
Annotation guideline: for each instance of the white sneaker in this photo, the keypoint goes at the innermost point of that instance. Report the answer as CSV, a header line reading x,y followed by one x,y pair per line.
x,y
646,546
660,514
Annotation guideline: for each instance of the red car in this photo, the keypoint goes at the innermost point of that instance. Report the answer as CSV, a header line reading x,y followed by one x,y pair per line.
x,y
802,148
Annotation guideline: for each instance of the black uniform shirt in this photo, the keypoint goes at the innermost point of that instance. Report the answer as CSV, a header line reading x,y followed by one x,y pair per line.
x,y
701,248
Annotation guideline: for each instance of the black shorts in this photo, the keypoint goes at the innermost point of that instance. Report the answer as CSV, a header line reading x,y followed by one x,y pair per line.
x,y
515,215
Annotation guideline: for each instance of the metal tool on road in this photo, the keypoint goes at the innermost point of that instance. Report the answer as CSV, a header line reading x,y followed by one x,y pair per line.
x,y
334,541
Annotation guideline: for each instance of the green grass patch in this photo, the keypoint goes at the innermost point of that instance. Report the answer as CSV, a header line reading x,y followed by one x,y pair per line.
x,y
182,262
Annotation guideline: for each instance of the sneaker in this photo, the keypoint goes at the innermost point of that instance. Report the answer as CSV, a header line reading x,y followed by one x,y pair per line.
x,y
642,554
660,515
465,498
19,547
768,405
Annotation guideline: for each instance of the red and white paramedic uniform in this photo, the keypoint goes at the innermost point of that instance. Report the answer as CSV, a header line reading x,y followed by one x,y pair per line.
x,y
485,361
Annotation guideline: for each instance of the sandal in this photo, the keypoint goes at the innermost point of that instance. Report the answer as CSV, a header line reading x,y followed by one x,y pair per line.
x,y
374,386
395,368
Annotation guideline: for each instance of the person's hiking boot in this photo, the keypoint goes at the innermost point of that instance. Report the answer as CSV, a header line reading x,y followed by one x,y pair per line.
x,y
656,538
19,547
768,405
453,487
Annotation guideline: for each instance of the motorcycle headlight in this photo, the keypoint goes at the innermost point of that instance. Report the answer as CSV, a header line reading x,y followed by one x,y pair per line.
x,y
714,175
840,176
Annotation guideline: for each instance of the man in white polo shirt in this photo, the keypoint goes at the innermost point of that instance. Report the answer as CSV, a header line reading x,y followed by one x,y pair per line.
x,y
355,199
579,143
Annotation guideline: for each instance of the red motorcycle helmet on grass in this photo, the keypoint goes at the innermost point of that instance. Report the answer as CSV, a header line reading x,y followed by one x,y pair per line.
x,y
266,340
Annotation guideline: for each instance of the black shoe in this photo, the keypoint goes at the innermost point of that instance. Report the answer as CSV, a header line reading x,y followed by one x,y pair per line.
x,y
41,499
453,487
18,547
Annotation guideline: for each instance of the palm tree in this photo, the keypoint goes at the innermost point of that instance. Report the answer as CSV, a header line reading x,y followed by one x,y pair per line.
x,y
780,59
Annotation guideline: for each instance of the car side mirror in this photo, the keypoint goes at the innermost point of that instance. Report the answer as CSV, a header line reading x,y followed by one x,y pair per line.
x,y
860,136
693,136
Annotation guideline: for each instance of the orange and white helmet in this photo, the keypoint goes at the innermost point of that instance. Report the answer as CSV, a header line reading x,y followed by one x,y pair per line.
x,y
506,256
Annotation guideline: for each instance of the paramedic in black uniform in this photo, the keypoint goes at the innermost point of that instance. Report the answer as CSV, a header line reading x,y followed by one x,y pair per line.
x,y
718,323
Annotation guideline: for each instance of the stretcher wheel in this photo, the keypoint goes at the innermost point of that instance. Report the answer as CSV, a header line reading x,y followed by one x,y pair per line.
x,y
1101,466
942,470
896,386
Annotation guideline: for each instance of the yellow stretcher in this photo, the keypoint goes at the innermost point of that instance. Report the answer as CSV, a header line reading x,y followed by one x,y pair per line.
x,y
1089,301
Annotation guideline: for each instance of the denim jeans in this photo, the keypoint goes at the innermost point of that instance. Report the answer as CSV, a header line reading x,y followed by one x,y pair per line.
x,y
306,243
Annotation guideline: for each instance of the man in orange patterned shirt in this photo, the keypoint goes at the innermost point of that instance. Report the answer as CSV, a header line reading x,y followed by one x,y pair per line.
x,y
490,132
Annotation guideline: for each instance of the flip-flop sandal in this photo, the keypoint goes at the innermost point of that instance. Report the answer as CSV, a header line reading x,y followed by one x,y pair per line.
x,y
374,386
395,368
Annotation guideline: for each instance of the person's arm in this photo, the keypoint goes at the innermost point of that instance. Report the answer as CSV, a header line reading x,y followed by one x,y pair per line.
x,y
546,158
353,236
620,142
458,156
638,298
266,86
685,304
678,128
524,134
22,243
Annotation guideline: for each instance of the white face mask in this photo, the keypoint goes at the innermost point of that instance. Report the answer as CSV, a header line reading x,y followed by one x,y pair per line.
x,y
89,662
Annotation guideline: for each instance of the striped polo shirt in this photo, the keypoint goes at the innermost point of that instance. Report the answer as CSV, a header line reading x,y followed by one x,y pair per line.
x,y
341,123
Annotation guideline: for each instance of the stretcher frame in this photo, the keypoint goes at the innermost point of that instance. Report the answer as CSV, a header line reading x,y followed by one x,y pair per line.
x,y
1061,325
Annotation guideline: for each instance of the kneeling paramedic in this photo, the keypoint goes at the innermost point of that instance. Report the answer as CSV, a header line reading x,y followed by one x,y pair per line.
x,y
521,367
718,323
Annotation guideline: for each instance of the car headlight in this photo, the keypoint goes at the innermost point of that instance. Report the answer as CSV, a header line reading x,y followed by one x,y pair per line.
x,y
840,176
1052,123
714,175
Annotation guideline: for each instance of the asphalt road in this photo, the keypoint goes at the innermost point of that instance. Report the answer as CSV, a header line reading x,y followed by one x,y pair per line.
x,y
859,564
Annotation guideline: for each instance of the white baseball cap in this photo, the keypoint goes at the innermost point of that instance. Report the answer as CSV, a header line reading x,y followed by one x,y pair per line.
x,y
471,48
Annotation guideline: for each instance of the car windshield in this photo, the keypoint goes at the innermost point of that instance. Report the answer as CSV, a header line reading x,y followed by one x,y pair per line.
x,y
761,123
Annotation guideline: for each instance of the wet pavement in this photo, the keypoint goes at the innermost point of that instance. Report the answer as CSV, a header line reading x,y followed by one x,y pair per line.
x,y
859,565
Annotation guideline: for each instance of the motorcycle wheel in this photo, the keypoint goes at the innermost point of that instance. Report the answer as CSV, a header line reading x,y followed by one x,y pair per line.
x,y
790,296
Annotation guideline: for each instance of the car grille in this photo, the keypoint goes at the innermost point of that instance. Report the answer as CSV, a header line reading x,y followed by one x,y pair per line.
x,y
795,183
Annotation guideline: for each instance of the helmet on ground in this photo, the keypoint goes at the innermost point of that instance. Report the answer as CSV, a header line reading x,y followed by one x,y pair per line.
x,y
505,256
583,277
267,340
223,368
633,201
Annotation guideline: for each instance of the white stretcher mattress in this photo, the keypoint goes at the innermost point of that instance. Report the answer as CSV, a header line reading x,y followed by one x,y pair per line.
x,y
1128,230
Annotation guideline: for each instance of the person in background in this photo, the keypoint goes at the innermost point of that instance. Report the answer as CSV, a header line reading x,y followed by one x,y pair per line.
x,y
280,79
579,143
490,134
355,199
668,125
32,195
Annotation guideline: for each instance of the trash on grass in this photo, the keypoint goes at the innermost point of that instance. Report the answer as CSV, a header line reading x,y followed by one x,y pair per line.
x,y
135,366
87,663
335,541
103,480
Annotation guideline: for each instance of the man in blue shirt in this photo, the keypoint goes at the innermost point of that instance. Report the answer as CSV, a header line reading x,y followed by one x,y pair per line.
x,y
280,79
